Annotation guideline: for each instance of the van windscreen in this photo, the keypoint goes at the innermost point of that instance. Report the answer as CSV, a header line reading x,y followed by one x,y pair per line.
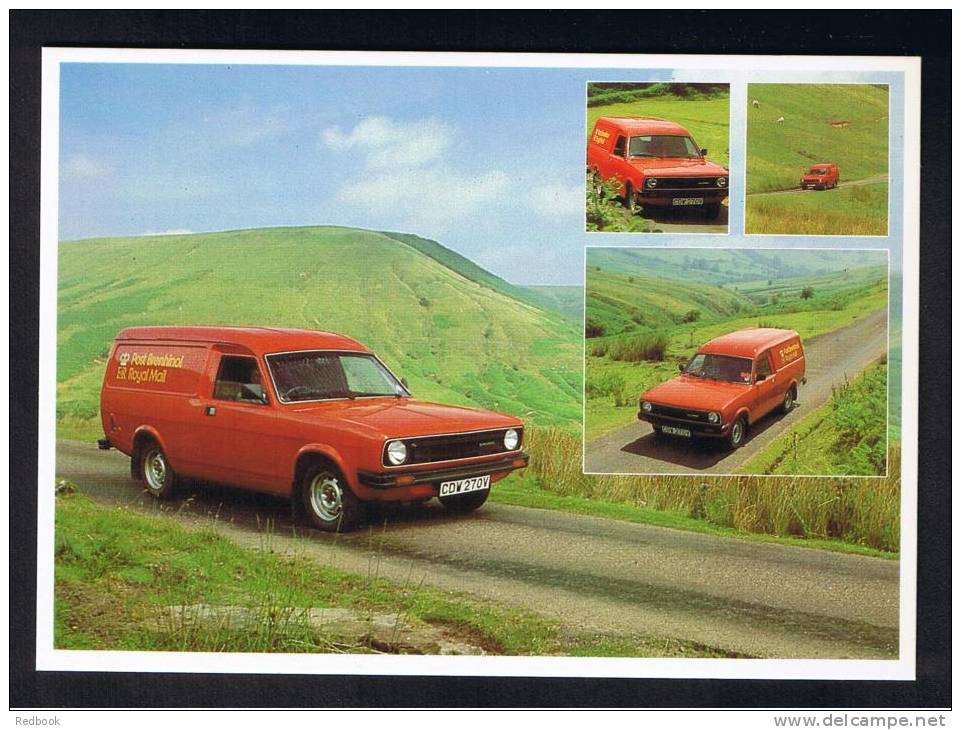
x,y
720,367
321,375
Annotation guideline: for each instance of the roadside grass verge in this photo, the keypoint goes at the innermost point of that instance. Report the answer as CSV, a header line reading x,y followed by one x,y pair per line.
x,y
845,436
116,571
849,512
858,210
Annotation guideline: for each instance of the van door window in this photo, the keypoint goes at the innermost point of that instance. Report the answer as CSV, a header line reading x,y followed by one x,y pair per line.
x,y
763,367
620,146
238,379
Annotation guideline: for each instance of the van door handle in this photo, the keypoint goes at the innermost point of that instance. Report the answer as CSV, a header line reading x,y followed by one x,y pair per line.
x,y
210,411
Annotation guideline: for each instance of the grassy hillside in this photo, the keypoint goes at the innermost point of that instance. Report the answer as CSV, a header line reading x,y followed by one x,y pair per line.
x,y
455,339
567,300
842,123
847,436
624,310
858,210
538,296
723,266
706,118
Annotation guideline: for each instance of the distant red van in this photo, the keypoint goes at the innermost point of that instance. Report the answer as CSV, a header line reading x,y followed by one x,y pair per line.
x,y
732,382
310,415
822,176
656,163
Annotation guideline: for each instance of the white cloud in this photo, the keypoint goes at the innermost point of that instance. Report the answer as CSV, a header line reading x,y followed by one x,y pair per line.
x,y
86,167
431,195
384,143
555,199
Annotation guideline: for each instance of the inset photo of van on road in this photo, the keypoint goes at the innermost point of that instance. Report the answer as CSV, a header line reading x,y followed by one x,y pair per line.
x,y
657,157
817,159
761,361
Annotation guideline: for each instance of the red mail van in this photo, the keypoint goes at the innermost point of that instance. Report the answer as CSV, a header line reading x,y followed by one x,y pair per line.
x,y
731,382
656,163
822,176
311,415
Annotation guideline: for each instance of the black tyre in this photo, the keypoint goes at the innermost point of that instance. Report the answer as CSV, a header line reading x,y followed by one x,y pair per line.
x,y
712,210
328,501
156,472
465,502
787,405
735,437
629,202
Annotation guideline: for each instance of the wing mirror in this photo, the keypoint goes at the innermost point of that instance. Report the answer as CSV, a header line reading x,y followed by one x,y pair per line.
x,y
760,377
680,367
704,152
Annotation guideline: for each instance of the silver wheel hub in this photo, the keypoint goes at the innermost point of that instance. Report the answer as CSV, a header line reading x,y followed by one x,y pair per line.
x,y
736,432
326,497
155,469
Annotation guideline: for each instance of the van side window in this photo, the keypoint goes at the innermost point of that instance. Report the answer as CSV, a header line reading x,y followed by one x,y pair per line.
x,y
238,379
620,146
764,366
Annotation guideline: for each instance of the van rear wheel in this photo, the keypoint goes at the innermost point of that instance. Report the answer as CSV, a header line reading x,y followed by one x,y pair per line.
x,y
787,404
158,475
328,501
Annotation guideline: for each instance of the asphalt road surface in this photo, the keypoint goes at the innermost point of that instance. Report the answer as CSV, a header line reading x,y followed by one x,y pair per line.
x,y
589,574
831,358
686,220
842,184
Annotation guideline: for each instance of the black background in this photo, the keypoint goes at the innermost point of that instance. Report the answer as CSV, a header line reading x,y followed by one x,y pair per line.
x,y
897,33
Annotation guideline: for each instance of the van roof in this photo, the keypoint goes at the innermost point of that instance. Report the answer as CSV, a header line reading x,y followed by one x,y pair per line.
x,y
747,342
824,164
645,125
259,340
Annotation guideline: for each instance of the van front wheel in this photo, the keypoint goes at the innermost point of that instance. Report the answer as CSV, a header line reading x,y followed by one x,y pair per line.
x,y
736,437
158,475
328,501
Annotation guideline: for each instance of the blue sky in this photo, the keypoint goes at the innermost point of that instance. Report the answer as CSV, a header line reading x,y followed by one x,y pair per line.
x,y
486,161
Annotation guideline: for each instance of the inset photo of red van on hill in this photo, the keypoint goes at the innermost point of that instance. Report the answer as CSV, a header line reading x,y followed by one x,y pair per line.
x,y
657,157
724,361
817,159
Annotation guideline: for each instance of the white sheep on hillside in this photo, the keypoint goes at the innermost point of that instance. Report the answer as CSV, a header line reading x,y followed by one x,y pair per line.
x,y
780,120
756,104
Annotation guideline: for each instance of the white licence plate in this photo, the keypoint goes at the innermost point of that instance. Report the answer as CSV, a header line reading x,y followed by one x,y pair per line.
x,y
687,201
676,431
461,486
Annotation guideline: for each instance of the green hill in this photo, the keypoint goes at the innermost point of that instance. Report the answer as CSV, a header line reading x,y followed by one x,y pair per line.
x,y
728,266
842,123
619,303
456,338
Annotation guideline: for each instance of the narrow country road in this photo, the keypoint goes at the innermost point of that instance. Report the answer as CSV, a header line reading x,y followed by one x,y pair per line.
x,y
831,358
843,184
589,574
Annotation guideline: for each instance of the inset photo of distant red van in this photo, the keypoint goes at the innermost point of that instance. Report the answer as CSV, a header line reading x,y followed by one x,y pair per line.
x,y
657,157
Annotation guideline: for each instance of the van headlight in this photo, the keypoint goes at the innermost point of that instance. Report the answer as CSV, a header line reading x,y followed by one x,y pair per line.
x,y
397,452
511,439
714,417
721,182
651,183
646,406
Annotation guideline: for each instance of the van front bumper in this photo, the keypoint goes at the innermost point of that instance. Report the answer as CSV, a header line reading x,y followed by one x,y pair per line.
x,y
404,479
697,428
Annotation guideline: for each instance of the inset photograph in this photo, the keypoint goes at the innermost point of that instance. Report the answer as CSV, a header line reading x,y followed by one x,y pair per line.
x,y
817,159
657,157
735,361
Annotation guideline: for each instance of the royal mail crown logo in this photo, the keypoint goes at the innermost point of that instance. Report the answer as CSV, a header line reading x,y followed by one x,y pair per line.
x,y
123,359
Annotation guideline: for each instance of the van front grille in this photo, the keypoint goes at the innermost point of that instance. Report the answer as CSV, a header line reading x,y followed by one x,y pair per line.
x,y
448,447
683,413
